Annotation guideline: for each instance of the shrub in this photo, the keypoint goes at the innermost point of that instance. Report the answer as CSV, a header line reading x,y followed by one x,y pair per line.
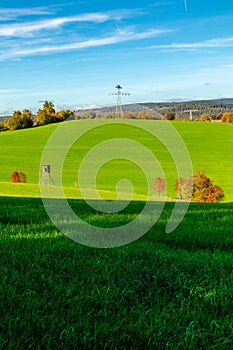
x,y
63,115
18,177
205,117
227,117
15,177
170,116
22,178
198,188
204,190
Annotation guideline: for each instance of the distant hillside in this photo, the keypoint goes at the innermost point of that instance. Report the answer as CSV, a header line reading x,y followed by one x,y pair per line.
x,y
160,109
209,144
133,107
228,101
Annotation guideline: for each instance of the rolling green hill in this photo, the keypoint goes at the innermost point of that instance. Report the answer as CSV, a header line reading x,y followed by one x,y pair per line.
x,y
162,291
210,146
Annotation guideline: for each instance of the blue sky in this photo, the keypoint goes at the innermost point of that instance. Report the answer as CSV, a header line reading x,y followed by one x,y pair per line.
x,y
74,53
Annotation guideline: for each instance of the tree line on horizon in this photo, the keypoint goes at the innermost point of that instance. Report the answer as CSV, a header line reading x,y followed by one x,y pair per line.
x,y
47,114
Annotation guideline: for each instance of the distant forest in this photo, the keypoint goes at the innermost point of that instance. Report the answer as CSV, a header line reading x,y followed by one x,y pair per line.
x,y
158,110
205,110
210,107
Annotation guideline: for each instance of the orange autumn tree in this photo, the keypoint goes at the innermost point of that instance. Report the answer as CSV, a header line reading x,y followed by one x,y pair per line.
x,y
198,188
18,177
204,190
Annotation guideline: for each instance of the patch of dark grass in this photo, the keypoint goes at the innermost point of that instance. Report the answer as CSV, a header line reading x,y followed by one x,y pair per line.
x,y
163,291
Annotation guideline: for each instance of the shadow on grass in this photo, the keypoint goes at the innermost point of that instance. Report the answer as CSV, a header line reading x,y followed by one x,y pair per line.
x,y
205,226
163,290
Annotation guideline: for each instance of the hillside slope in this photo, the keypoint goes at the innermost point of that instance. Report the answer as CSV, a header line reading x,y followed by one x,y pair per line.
x,y
210,146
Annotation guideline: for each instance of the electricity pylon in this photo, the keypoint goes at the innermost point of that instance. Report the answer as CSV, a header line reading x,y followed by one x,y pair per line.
x,y
119,93
190,113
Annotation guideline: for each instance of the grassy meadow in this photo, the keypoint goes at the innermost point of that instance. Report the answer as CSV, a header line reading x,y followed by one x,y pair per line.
x,y
163,291
209,145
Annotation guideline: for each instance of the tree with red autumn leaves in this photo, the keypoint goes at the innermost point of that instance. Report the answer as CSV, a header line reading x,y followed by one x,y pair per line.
x,y
18,177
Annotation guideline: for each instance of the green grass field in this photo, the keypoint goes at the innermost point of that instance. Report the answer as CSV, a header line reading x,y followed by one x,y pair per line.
x,y
209,145
162,291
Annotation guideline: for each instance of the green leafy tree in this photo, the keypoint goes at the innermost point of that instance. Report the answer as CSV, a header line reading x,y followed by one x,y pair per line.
x,y
20,120
14,122
63,115
49,107
43,118
27,119
47,114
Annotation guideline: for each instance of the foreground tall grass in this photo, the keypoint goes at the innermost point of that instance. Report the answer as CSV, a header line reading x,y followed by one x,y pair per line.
x,y
164,291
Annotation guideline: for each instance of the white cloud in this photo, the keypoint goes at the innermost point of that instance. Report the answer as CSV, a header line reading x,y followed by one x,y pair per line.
x,y
10,14
84,107
25,29
212,43
22,29
110,40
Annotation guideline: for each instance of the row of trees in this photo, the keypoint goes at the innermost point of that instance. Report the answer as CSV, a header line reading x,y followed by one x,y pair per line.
x,y
46,115
215,109
226,117
198,188
142,115
20,120
2,126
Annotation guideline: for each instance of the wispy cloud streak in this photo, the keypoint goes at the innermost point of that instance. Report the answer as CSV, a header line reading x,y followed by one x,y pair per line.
x,y
22,29
9,14
110,40
212,43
